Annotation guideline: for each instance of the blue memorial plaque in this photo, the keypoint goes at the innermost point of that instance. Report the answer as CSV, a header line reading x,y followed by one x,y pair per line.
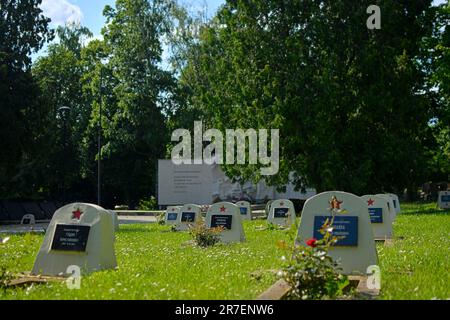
x,y
445,198
221,221
376,215
243,210
344,227
172,216
188,217
280,212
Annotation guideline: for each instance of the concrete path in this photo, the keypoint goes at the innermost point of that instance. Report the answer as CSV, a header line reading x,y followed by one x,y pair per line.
x,y
41,227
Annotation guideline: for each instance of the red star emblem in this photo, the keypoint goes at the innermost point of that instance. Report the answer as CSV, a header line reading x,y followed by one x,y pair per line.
x,y
281,203
223,209
77,214
370,202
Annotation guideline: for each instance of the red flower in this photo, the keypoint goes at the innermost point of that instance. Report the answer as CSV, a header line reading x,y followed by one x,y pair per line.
x,y
312,242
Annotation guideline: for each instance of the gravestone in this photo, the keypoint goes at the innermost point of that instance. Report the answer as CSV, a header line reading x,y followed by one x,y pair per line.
x,y
380,217
390,204
228,216
79,234
444,200
189,215
356,249
171,216
115,219
245,209
282,213
28,219
396,203
267,209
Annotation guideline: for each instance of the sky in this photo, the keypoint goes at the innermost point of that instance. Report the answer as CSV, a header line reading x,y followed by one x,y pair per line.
x,y
89,13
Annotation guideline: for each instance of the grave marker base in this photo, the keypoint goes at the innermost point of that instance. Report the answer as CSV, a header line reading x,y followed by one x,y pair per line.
x,y
281,288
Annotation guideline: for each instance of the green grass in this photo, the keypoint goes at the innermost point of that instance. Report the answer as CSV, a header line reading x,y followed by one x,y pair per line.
x,y
417,266
157,264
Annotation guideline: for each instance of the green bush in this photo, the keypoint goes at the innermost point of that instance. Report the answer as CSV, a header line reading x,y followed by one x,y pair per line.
x,y
310,271
203,236
148,204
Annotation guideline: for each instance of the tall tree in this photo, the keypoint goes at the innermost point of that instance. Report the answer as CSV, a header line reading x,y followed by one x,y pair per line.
x,y
436,62
59,75
135,131
348,100
23,31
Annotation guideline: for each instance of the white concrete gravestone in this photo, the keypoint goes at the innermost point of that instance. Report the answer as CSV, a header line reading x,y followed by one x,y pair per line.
x,y
228,216
171,216
28,219
115,219
80,235
282,212
246,210
189,215
267,209
380,217
390,204
356,250
396,202
444,200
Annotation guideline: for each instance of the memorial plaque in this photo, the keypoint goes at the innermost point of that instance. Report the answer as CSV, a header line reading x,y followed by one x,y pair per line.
x,y
172,216
376,215
80,234
70,238
188,217
26,221
357,250
345,228
281,212
445,198
221,221
227,216
243,210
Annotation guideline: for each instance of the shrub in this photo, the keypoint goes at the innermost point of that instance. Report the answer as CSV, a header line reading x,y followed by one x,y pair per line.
x,y
203,236
148,204
310,271
5,278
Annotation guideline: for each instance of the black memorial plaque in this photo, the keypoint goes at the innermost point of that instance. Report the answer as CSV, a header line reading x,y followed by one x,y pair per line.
x,y
188,217
27,221
281,212
221,221
70,238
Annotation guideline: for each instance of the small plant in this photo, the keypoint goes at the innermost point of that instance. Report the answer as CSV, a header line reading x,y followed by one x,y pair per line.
x,y
310,271
161,219
148,204
203,236
5,278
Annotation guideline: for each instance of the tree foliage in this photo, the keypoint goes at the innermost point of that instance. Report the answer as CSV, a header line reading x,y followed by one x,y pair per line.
x,y
349,101
23,31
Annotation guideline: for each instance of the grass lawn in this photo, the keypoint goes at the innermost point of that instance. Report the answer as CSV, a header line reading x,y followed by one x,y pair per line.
x,y
157,264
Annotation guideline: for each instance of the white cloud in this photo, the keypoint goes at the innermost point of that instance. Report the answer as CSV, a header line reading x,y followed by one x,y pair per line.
x,y
61,11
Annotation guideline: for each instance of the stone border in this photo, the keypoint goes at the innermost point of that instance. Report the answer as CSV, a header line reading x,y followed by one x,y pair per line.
x,y
280,289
